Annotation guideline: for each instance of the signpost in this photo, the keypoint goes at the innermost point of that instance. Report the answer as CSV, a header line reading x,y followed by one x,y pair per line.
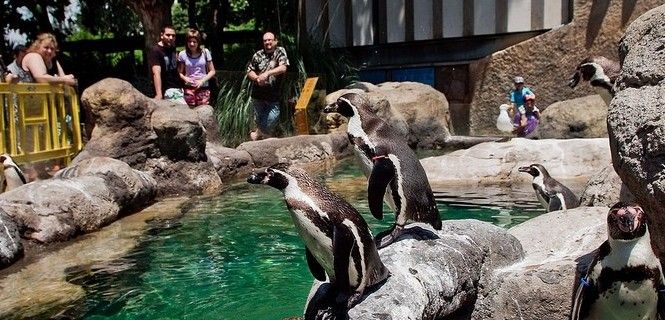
x,y
302,123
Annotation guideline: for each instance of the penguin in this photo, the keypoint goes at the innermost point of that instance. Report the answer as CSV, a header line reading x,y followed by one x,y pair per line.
x,y
338,242
394,171
625,278
601,73
551,193
503,122
12,175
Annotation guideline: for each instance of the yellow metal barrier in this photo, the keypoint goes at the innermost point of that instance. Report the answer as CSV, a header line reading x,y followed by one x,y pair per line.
x,y
39,122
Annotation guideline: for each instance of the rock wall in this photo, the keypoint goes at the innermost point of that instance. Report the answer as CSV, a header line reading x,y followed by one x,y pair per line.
x,y
547,61
636,119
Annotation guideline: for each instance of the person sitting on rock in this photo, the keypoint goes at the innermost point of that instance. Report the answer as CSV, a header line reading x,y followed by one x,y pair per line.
x,y
527,117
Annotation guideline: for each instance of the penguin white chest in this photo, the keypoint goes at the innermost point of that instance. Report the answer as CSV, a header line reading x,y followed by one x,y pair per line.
x,y
318,243
626,300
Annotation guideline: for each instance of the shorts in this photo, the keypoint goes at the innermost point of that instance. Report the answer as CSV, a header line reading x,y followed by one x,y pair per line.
x,y
196,97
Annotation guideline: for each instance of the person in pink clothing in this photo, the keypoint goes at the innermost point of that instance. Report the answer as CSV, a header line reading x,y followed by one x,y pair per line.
x,y
196,69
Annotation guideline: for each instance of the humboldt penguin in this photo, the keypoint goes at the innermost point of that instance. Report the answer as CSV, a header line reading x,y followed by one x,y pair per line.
x,y
625,278
394,171
338,242
601,74
551,193
12,175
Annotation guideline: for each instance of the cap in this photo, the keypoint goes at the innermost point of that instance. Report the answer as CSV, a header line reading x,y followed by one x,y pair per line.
x,y
518,80
530,97
18,48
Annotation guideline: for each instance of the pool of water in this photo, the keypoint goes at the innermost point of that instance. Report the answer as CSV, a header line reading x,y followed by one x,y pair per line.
x,y
237,255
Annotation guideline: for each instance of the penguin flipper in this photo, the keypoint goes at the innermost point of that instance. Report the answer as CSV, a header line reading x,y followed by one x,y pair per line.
x,y
586,288
343,243
555,203
382,173
314,267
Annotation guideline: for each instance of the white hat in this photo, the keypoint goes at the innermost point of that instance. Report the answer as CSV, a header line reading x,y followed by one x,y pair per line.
x,y
518,80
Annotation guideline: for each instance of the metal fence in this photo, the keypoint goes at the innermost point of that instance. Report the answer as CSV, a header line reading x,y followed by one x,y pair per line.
x,y
39,122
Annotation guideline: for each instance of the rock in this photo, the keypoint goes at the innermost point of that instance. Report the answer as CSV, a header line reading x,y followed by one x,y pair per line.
x,y
604,189
163,138
430,279
180,135
414,108
207,118
636,119
497,162
229,162
80,199
122,123
541,286
584,117
547,61
11,248
298,149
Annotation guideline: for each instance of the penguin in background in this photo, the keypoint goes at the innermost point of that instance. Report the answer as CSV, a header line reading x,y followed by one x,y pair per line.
x,y
552,194
601,73
504,123
394,171
12,176
338,242
625,279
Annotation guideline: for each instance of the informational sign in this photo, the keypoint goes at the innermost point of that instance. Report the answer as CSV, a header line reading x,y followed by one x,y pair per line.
x,y
302,123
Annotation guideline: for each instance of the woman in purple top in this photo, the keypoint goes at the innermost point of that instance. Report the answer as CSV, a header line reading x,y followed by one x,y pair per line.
x,y
195,68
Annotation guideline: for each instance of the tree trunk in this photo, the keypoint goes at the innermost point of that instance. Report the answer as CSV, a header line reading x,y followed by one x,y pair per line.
x,y
221,9
154,14
191,13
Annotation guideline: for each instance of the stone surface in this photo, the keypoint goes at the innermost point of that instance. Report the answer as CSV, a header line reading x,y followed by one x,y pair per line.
x,y
229,162
430,279
497,162
547,61
636,119
541,286
83,198
164,138
584,117
298,149
416,109
11,247
604,189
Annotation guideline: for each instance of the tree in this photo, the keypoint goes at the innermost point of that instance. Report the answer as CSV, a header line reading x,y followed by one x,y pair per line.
x,y
154,14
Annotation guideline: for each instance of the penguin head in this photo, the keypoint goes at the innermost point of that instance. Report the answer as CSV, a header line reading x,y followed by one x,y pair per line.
x,y
347,105
590,68
276,176
626,221
534,170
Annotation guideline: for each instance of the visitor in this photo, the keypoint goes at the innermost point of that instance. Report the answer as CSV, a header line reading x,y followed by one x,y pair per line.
x,y
265,70
527,117
195,68
40,65
15,67
164,67
516,96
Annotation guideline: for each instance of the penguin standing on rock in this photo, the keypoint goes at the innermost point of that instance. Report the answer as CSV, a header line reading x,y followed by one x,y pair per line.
x,y
395,173
625,279
12,175
551,193
338,241
601,74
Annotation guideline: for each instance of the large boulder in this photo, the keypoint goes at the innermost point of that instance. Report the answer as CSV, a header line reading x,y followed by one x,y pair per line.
x,y
636,119
547,61
298,149
11,248
497,162
430,279
81,199
584,117
415,109
604,189
557,248
163,138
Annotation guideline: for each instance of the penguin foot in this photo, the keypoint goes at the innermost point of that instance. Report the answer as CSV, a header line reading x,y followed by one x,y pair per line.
x,y
387,237
353,300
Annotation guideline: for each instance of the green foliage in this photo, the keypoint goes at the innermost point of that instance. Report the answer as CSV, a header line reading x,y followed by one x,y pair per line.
x,y
109,18
234,111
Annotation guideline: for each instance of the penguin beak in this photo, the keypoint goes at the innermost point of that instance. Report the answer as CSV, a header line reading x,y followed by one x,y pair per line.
x,y
254,179
330,108
524,169
628,221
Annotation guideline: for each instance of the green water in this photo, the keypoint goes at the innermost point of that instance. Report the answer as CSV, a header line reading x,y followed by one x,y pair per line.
x,y
237,255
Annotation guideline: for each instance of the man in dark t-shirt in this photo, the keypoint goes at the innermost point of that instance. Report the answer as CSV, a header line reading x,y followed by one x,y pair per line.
x,y
164,66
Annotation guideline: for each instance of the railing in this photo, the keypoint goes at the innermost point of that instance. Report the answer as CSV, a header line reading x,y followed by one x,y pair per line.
x,y
39,122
